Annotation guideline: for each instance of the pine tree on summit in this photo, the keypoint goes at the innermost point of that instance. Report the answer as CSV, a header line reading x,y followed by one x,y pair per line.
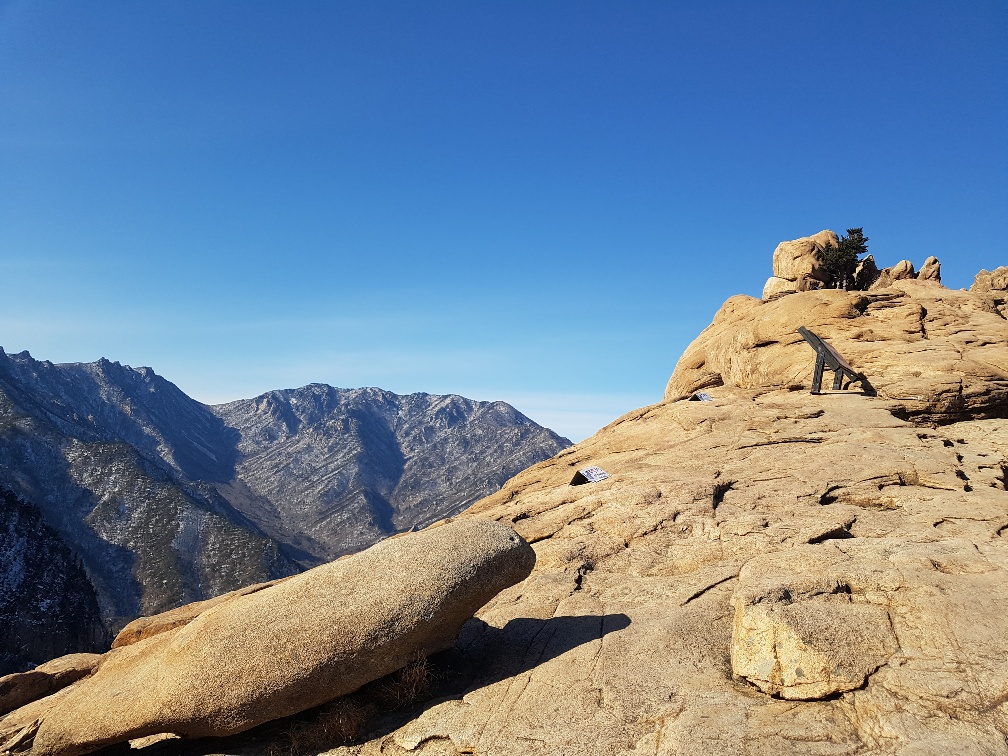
x,y
840,261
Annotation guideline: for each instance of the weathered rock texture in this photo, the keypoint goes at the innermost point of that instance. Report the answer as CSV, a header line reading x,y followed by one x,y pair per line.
x,y
797,264
800,630
992,288
776,286
938,354
901,271
865,273
930,270
144,627
286,647
801,258
986,281
768,573
21,688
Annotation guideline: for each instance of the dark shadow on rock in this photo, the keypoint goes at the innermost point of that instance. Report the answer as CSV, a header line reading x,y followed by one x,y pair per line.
x,y
487,654
482,656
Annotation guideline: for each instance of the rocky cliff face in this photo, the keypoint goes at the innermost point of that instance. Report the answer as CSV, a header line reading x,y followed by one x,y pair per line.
x,y
106,454
168,501
937,354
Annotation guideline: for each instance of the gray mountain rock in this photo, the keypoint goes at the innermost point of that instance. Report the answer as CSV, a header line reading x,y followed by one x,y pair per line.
x,y
335,470
48,606
109,456
166,500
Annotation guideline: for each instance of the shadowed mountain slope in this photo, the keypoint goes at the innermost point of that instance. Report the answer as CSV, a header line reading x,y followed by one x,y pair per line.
x,y
48,606
168,501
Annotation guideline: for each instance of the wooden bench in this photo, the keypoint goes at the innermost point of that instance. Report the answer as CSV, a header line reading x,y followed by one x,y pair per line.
x,y
827,356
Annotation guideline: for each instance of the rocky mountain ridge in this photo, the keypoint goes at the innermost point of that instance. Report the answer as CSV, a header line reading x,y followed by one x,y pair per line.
x,y
342,468
167,501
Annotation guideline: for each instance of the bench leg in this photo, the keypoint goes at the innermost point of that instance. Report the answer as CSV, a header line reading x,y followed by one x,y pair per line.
x,y
820,363
838,380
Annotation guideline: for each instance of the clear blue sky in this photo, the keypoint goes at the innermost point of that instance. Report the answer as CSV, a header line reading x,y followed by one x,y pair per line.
x,y
541,202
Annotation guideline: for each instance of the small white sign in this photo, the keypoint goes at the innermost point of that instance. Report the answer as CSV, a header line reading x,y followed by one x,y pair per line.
x,y
594,474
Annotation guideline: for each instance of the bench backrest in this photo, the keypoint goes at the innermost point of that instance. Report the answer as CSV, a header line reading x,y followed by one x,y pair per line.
x,y
831,355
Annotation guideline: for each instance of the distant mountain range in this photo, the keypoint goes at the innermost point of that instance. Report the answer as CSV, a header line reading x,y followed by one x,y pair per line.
x,y
159,500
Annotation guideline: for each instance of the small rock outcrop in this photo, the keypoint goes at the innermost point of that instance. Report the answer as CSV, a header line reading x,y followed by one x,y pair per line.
x,y
285,648
987,281
930,270
797,264
801,258
901,271
777,286
801,631
992,289
24,687
865,273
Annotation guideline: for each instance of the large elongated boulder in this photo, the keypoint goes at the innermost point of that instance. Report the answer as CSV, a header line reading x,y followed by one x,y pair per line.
x,y
289,647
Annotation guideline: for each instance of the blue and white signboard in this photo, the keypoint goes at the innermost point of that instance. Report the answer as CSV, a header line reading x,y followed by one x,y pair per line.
x,y
594,474
589,475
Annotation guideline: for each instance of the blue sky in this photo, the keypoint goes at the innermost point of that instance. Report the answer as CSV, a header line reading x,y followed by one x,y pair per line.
x,y
540,202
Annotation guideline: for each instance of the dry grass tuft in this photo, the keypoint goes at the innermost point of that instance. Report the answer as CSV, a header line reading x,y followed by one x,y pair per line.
x,y
407,685
336,723
343,720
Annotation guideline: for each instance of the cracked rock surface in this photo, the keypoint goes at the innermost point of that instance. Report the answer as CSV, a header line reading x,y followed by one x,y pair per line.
x,y
938,354
795,574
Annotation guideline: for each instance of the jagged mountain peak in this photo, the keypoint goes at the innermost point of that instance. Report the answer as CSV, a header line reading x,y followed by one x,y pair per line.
x,y
107,401
325,455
